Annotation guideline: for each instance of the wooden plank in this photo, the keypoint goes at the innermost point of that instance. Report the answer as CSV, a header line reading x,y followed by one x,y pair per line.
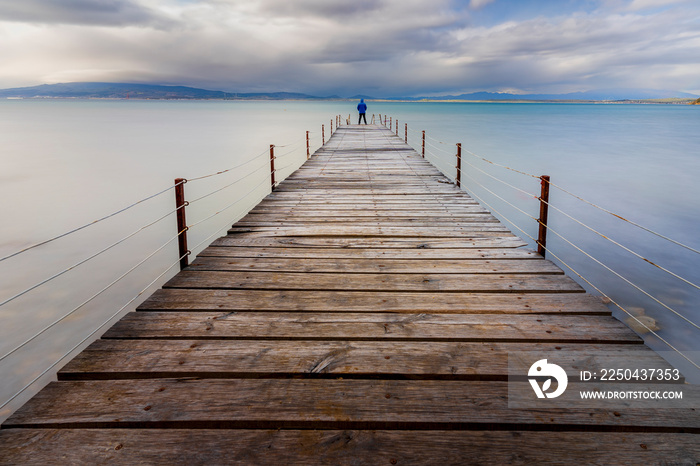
x,y
386,266
473,241
320,404
373,326
273,213
485,229
303,447
381,254
135,359
364,222
515,282
369,301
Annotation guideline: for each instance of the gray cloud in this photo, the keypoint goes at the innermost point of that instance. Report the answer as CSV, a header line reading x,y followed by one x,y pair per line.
x,y
87,12
321,8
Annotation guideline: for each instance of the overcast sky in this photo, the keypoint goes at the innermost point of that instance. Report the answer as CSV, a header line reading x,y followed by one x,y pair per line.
x,y
348,47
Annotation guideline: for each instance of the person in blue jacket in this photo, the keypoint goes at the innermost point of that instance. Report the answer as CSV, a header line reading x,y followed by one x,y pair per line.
x,y
362,108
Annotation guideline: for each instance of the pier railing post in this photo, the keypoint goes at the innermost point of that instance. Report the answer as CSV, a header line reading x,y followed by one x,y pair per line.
x,y
308,148
458,178
272,167
331,133
390,118
544,211
406,133
397,127
323,134
180,204
422,150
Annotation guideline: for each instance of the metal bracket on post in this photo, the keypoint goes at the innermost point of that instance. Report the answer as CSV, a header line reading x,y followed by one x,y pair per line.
x,y
180,204
544,212
272,167
458,178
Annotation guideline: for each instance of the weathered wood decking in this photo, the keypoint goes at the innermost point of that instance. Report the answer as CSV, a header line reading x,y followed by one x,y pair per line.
x,y
362,313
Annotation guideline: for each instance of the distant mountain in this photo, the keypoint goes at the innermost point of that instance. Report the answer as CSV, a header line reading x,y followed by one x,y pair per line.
x,y
141,91
600,95
94,90
359,96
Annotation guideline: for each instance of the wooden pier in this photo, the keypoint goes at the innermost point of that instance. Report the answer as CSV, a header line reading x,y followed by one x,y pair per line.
x,y
363,313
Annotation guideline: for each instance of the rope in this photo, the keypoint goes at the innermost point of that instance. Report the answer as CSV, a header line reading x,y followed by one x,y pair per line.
x,y
265,164
649,230
265,180
295,147
46,371
229,169
637,287
673,274
93,296
33,287
501,181
91,223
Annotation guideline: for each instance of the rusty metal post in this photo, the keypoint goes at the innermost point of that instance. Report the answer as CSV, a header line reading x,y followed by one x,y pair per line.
x,y
397,127
180,204
390,118
458,179
544,211
422,151
323,134
308,149
272,167
331,128
406,134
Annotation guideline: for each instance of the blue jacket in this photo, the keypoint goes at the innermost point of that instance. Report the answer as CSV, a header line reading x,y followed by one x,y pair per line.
x,y
362,106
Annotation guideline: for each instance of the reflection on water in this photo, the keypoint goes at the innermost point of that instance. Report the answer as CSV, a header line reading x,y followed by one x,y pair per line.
x,y
67,163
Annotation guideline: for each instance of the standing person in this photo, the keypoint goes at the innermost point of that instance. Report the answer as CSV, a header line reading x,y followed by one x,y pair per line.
x,y
362,108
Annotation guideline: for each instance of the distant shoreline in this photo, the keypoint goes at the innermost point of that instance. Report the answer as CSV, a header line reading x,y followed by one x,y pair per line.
x,y
674,101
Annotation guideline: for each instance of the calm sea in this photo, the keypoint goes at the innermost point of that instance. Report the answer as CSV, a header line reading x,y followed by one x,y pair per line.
x,y
66,163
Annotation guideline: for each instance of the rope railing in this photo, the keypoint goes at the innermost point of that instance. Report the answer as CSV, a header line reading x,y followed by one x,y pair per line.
x,y
90,335
233,183
94,222
92,298
606,267
181,232
601,292
197,178
83,261
588,227
619,217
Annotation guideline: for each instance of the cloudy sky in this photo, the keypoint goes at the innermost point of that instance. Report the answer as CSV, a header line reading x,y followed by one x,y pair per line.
x,y
346,47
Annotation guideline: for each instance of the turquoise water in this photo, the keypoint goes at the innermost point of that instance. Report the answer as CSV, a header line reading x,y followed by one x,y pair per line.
x,y
67,163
